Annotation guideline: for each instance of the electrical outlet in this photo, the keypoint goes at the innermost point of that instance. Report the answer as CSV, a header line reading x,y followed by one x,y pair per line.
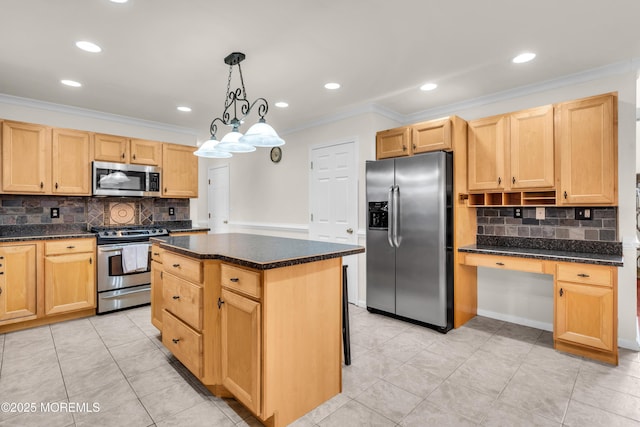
x,y
55,212
172,211
540,213
517,212
584,214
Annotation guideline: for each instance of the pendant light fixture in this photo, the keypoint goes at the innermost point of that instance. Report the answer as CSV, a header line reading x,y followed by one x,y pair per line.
x,y
237,105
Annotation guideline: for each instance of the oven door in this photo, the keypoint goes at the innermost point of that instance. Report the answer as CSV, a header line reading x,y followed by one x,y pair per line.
x,y
110,272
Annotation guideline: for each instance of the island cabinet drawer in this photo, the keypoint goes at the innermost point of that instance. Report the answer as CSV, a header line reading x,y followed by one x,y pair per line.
x,y
184,342
156,252
69,246
505,262
587,274
184,267
183,299
241,280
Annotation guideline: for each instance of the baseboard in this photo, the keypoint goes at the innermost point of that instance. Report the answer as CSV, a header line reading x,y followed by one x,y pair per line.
x,y
517,320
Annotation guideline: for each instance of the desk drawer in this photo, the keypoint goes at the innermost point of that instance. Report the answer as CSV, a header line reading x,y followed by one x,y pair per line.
x,y
505,262
184,342
184,267
587,274
241,280
183,299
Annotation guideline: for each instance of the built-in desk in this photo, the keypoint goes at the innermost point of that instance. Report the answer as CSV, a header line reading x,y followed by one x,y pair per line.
x,y
585,293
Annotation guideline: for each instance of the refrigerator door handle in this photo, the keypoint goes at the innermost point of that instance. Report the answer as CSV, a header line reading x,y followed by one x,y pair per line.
x,y
396,215
391,216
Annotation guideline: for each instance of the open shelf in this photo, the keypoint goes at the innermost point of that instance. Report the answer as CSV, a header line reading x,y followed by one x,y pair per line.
x,y
513,198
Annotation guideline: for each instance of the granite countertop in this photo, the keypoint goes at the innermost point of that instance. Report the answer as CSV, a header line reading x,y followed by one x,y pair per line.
x,y
20,233
255,251
546,254
188,230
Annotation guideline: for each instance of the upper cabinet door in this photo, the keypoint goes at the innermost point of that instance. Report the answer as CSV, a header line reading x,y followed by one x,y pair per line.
x,y
26,158
532,151
111,148
487,143
587,139
71,162
179,171
144,152
431,136
393,143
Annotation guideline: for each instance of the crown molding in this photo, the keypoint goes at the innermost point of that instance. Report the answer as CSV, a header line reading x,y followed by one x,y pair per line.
x,y
94,114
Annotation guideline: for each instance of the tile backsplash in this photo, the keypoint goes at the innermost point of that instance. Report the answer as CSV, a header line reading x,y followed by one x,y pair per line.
x,y
92,211
559,223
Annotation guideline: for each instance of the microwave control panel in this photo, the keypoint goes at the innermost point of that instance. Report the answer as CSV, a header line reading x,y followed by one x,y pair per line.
x,y
154,181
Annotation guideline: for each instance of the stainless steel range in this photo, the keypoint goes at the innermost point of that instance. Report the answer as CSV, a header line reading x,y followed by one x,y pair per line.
x,y
124,266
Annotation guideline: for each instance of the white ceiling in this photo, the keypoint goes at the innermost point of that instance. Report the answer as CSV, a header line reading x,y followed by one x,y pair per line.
x,y
158,54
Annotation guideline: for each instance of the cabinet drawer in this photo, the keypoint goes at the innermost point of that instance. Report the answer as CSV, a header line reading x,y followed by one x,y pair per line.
x,y
505,262
70,246
183,299
184,267
588,274
241,280
184,342
156,252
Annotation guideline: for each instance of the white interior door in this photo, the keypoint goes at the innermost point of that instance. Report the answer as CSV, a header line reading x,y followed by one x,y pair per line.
x,y
333,197
218,197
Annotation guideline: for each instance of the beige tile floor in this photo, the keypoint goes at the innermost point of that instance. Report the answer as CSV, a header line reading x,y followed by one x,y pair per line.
x,y
486,373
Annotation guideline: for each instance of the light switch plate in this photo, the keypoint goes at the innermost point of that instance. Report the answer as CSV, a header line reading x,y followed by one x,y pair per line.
x,y
55,212
540,213
172,211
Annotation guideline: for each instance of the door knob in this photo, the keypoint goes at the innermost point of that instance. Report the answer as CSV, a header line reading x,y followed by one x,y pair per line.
x,y
350,230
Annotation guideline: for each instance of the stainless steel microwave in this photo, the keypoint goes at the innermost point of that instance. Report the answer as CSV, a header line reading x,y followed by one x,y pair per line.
x,y
120,179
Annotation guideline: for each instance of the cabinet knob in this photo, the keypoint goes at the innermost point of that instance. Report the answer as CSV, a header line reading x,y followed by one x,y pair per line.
x,y
404,148
220,302
176,297
90,260
513,179
1,257
561,291
176,265
499,263
234,279
71,247
1,273
414,147
134,157
41,184
123,155
175,340
499,180
0,291
565,194
165,189
56,185
583,275
156,254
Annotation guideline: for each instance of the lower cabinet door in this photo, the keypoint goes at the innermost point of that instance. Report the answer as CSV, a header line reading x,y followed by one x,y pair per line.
x,y
17,281
184,342
69,283
156,294
584,315
241,349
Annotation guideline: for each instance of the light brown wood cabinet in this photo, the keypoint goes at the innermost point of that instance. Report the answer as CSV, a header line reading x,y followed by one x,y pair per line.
x,y
145,152
179,171
26,158
512,151
39,160
156,286
432,135
71,162
587,141
18,282
111,148
240,346
69,275
585,309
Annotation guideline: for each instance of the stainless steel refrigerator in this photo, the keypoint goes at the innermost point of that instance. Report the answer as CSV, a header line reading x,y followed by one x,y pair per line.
x,y
409,238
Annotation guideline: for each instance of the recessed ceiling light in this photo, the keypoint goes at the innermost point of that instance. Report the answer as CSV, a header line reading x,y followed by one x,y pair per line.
x,y
428,86
184,108
524,57
88,46
119,1
332,86
71,83
281,104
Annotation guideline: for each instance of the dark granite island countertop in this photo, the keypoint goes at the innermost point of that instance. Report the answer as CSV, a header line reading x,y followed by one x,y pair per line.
x,y
255,251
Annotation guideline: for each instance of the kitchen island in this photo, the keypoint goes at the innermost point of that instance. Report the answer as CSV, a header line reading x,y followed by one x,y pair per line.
x,y
254,317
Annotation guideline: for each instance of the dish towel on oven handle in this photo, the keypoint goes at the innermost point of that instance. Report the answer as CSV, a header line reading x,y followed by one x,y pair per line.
x,y
135,258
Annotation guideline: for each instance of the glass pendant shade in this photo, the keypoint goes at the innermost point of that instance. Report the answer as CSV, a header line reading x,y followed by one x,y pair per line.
x,y
262,135
231,143
210,149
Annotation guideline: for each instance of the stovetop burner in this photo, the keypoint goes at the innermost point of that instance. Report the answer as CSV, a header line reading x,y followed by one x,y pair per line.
x,y
108,235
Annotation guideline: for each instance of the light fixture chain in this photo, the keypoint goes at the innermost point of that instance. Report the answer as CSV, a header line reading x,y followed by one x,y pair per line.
x,y
227,101
244,91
